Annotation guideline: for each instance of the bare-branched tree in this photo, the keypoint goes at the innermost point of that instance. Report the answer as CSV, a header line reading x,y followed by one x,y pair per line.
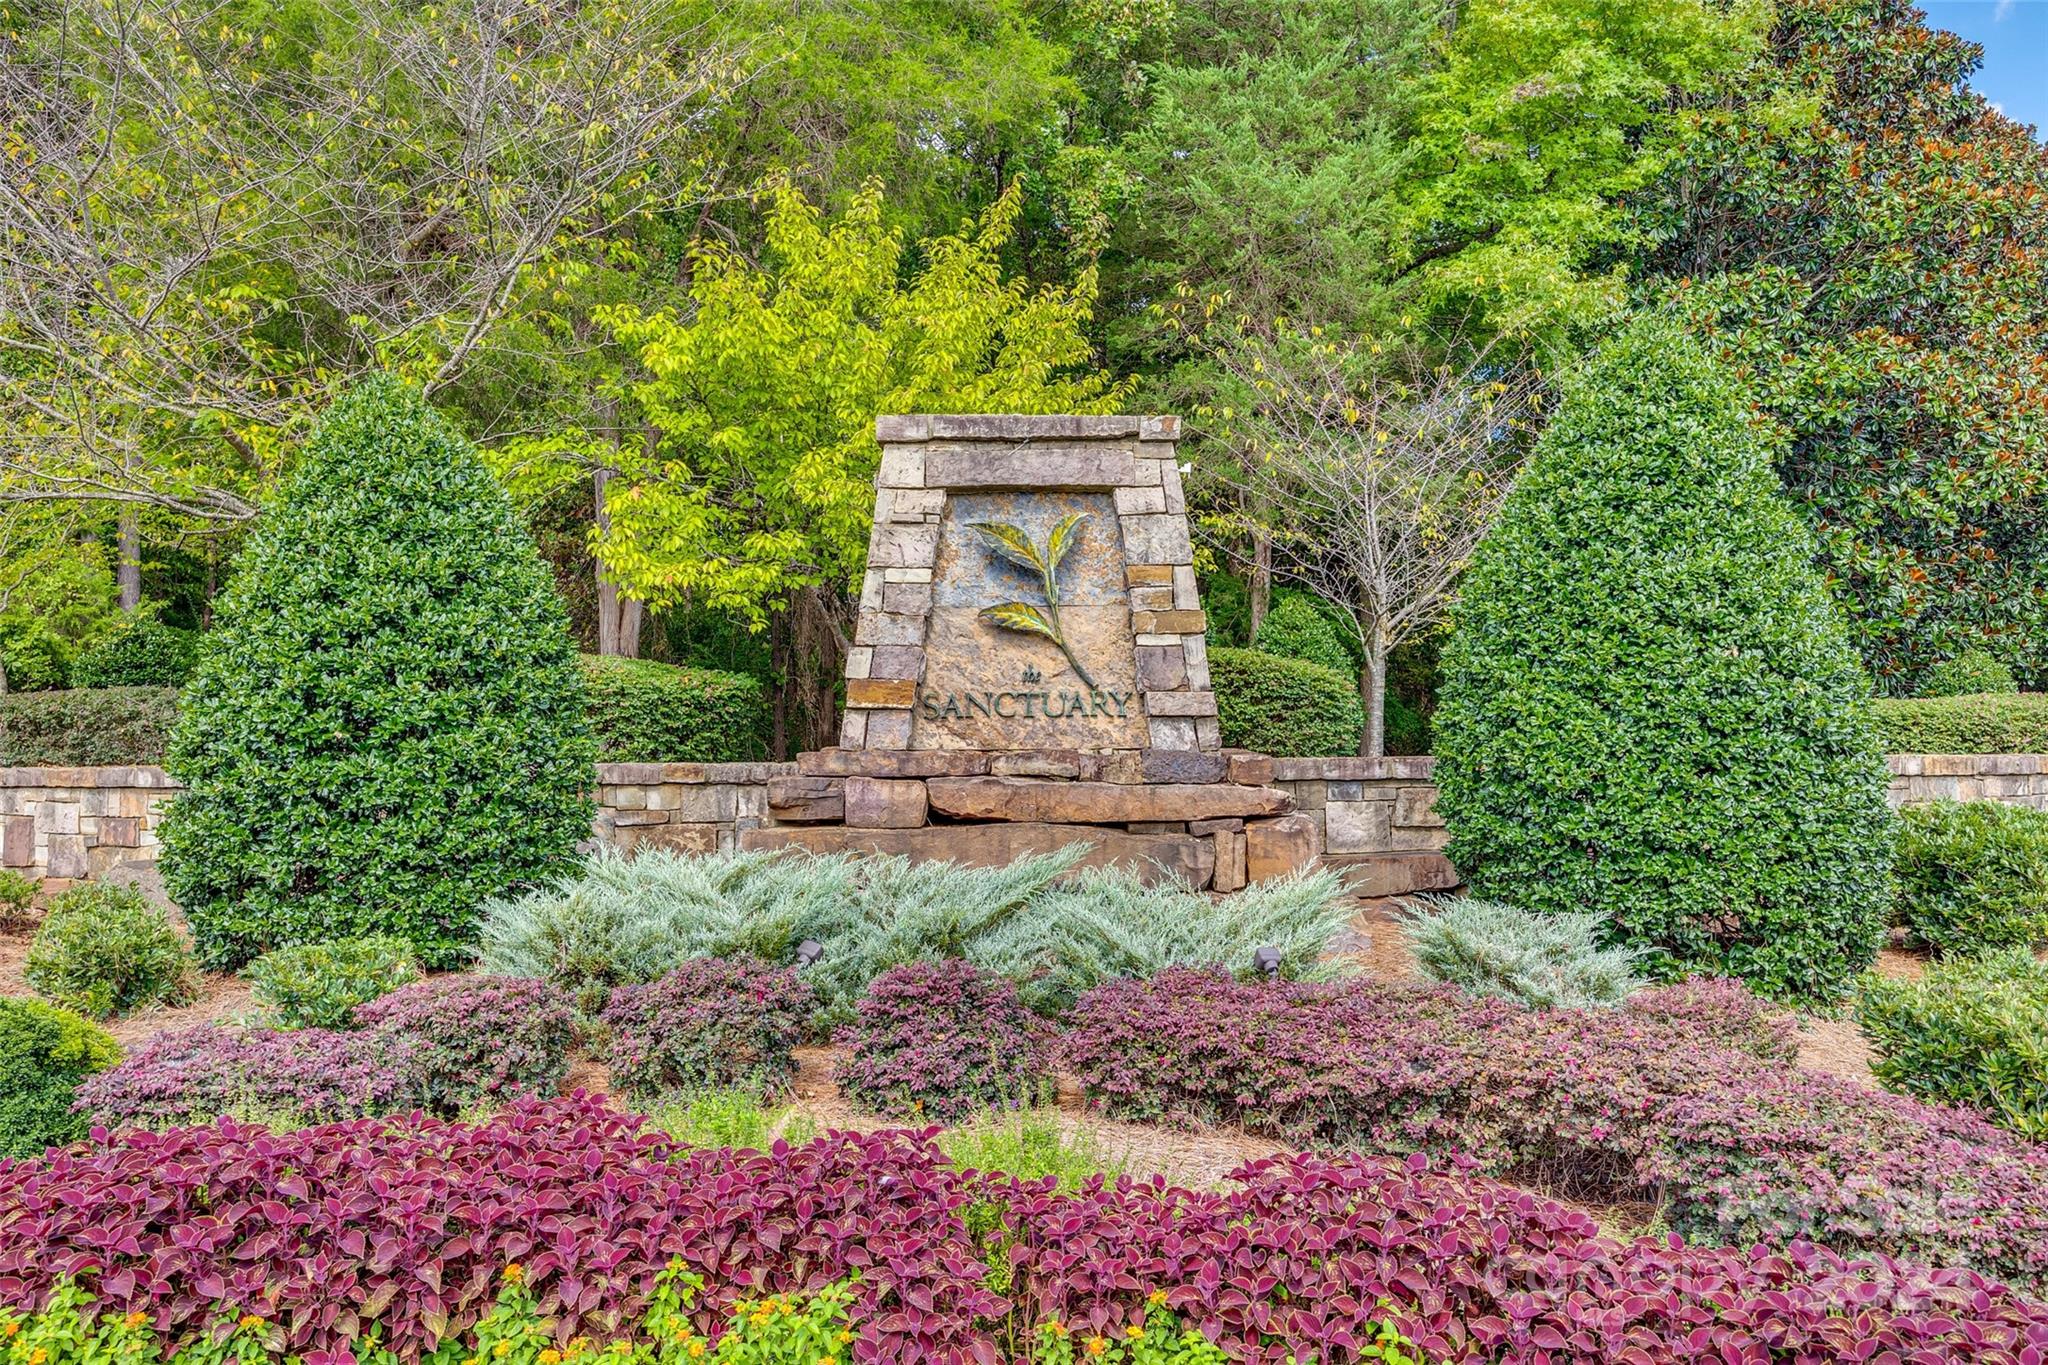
x,y
1373,474
206,224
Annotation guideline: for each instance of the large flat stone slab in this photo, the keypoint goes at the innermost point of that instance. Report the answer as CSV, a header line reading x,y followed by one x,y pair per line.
x,y
1156,858
1100,803
1393,874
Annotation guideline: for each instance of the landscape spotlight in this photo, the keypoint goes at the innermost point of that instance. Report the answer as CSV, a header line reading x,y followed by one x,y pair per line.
x,y
1266,962
808,952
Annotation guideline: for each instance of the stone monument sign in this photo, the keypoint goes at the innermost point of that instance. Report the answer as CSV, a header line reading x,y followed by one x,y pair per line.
x,y
1031,585
1030,669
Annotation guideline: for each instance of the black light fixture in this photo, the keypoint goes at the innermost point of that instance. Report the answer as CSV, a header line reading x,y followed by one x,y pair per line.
x,y
1266,962
808,952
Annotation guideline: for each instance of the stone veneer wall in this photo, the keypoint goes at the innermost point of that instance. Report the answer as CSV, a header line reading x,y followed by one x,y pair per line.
x,y
1374,818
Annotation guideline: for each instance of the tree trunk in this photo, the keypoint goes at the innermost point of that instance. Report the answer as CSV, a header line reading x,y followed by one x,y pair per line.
x,y
128,569
782,680
1261,594
1372,691
618,616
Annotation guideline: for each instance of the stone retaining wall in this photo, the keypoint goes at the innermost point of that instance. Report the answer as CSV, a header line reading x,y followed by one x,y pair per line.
x,y
1373,818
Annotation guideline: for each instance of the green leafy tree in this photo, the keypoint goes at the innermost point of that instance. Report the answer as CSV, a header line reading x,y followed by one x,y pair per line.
x,y
1650,709
387,726
755,494
1540,116
1863,238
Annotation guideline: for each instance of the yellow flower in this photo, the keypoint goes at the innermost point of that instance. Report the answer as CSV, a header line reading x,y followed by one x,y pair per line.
x,y
10,1329
515,1272
136,1319
845,1337
696,1349
1056,1327
1134,1331
38,1356
1157,1298
828,1360
252,1321
1096,1346
550,1357
502,1349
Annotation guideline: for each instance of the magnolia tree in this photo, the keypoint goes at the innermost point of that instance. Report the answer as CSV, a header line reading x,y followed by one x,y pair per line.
x,y
1372,477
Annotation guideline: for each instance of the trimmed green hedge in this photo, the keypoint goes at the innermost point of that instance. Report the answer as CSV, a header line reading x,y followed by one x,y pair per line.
x,y
1971,1032
1972,876
45,1052
1284,706
1650,708
1984,723
86,727
387,726
644,712
140,654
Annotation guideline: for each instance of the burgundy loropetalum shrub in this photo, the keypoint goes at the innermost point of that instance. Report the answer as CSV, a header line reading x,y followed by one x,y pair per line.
x,y
401,1225
1610,1102
190,1075
943,1040
476,1039
712,1022
1721,1011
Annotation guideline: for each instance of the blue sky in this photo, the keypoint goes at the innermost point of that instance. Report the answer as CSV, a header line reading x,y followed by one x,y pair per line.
x,y
2015,37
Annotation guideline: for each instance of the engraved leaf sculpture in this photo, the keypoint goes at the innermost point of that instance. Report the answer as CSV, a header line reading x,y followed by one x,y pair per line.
x,y
1011,543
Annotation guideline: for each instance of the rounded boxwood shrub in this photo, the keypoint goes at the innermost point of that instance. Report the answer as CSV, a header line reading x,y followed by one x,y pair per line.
x,y
1974,673
1650,708
386,727
1972,876
86,727
942,1041
106,950
710,1024
44,1053
1284,706
1299,627
318,985
142,653
645,712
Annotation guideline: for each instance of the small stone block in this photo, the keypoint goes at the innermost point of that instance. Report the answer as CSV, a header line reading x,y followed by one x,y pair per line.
x,y
1146,575
1417,806
1278,848
1158,539
907,597
1254,770
120,831
889,628
57,817
1174,732
860,660
1161,668
1168,622
67,856
1187,593
875,693
853,729
1358,826
897,661
1230,872
18,841
1179,765
1153,599
1140,501
1180,703
675,838
905,576
883,803
1159,428
805,800
903,547
889,729
1208,732
630,819
1213,826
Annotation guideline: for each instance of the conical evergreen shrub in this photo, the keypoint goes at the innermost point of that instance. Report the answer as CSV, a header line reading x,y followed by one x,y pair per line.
x,y
1650,708
386,727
